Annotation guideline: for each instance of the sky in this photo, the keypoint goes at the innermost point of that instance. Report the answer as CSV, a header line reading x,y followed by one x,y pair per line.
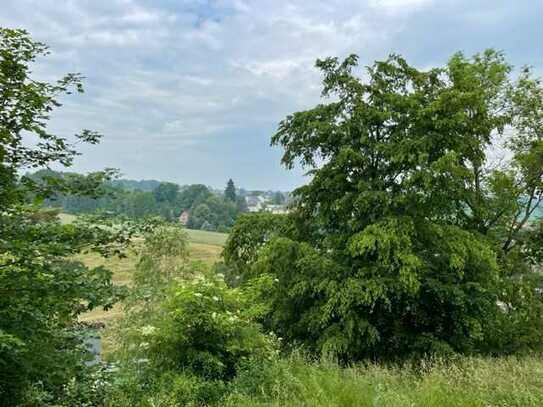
x,y
191,91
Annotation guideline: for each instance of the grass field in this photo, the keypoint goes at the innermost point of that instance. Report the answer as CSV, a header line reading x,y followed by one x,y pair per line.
x,y
203,246
123,268
66,218
208,238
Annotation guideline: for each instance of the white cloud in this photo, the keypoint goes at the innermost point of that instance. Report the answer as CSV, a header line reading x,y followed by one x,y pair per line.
x,y
398,7
140,16
198,75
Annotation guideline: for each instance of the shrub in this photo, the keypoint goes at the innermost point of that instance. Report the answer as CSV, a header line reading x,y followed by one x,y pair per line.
x,y
203,330
191,347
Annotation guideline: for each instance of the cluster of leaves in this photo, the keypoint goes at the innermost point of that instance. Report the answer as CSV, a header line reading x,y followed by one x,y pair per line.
x,y
409,239
42,290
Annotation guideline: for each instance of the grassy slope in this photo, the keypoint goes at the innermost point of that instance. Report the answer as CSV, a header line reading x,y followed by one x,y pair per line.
x,y
66,218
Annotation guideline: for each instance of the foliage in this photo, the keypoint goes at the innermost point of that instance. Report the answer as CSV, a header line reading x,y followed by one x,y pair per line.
x,y
218,213
166,192
42,289
250,232
162,259
408,239
25,107
89,388
193,195
141,185
185,332
204,331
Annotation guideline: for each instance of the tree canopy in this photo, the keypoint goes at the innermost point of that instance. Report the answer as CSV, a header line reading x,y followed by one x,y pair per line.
x,y
409,239
120,198
43,288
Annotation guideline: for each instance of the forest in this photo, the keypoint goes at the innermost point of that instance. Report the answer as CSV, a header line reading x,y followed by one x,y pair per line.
x,y
195,206
137,200
407,271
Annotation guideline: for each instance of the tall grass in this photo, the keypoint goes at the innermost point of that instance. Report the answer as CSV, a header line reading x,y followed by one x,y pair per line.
x,y
466,382
293,381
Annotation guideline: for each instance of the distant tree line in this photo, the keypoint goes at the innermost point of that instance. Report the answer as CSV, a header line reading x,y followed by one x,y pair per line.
x,y
139,199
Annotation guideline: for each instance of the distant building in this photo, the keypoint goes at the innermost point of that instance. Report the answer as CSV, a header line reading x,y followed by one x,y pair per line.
x,y
255,203
254,208
184,218
252,200
259,203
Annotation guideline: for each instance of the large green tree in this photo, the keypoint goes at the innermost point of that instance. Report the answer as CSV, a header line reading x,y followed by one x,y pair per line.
x,y
42,289
409,238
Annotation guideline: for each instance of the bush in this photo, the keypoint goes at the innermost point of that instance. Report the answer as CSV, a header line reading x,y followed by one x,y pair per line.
x,y
89,388
189,349
203,330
